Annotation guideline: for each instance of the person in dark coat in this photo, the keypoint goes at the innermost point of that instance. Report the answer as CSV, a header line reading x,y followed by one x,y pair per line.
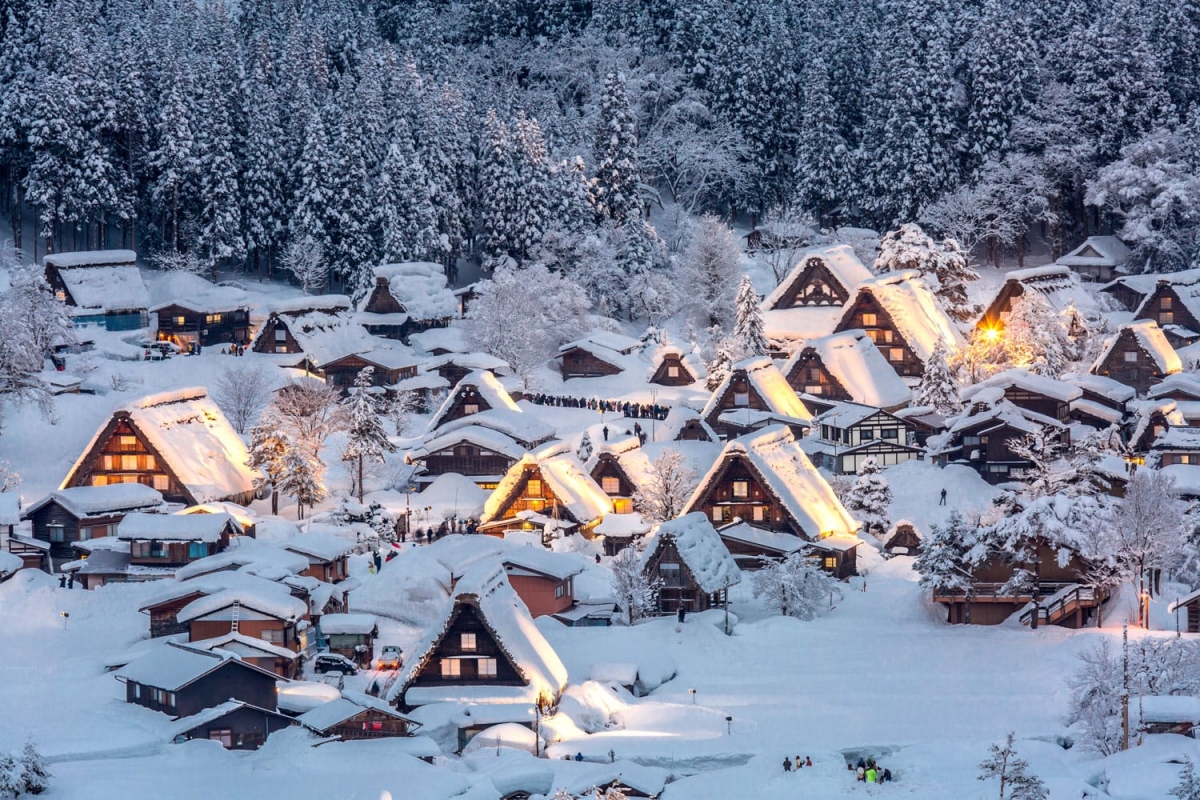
x,y
604,430
579,756
787,764
378,561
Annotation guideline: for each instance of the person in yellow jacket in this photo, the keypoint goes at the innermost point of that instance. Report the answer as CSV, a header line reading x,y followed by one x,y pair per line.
x,y
872,775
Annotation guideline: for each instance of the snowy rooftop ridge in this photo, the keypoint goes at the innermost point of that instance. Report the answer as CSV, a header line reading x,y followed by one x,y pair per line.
x,y
106,288
1024,379
914,310
766,379
843,264
575,489
1097,251
278,605
173,527
88,501
89,258
419,286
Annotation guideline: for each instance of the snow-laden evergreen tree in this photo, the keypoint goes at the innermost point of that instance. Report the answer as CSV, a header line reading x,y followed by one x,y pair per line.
x,y
948,554
868,500
314,176
665,492
584,451
534,183
632,587
446,154
12,778
407,218
748,322
173,160
1188,787
709,267
1001,72
219,236
908,156
1035,337
640,255
353,253
938,389
617,180
269,444
795,586
302,478
35,772
821,153
32,321
942,264
366,439
1174,31
1016,782
264,177
498,187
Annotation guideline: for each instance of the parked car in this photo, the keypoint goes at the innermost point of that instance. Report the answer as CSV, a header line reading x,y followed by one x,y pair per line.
x,y
332,662
389,657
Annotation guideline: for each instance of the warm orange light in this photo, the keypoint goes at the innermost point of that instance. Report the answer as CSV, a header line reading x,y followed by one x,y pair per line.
x,y
991,334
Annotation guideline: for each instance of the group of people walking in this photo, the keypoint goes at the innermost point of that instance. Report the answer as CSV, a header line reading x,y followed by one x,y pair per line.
x,y
623,407
788,763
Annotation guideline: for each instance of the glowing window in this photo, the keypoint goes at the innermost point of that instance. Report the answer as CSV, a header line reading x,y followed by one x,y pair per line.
x,y
760,513
451,668
672,372
870,320
610,485
468,642
741,488
534,487
162,483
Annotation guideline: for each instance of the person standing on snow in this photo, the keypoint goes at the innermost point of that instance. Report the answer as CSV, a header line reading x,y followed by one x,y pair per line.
x,y
787,764
942,501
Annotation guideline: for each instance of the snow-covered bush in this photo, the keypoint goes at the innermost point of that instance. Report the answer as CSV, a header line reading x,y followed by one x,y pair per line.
x,y
1016,782
242,392
633,589
942,264
667,488
795,586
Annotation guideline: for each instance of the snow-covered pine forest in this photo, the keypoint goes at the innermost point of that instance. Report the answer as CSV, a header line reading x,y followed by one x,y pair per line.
x,y
223,134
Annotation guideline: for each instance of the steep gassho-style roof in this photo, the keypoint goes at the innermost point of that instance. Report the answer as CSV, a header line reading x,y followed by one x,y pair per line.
x,y
323,334
914,311
92,501
1061,287
701,549
842,262
1188,294
789,476
194,439
691,361
1152,340
577,493
854,360
173,527
607,340
108,289
490,391
1107,251
486,586
419,286
768,381
320,546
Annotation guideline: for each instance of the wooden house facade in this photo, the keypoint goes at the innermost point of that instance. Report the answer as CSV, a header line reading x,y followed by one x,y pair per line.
x,y
691,564
822,278
174,540
1139,356
853,433
69,516
988,600
234,725
477,392
164,613
480,454
678,587
754,385
579,361
1187,609
673,369
614,480
545,581
389,368
273,619
351,720
1174,307
410,297
183,325
868,314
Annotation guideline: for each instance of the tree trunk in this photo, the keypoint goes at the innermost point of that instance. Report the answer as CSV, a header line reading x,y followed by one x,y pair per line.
x,y
275,501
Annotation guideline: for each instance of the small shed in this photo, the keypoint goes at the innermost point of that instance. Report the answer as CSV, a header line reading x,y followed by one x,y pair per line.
x,y
351,635
236,725
1098,258
360,718
692,564
1190,604
1168,714
838,554
903,539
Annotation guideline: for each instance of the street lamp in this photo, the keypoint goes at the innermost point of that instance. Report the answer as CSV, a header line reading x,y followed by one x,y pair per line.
x,y
692,692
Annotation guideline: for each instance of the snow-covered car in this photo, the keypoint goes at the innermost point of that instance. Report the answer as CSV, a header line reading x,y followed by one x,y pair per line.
x,y
389,657
332,662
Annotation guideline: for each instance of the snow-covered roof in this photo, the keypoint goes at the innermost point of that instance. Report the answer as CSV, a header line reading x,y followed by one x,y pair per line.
x,y
319,546
842,262
854,360
1103,386
95,501
1059,285
262,555
768,540
272,604
175,666
361,624
89,258
578,494
1152,340
243,646
184,725
691,361
502,612
766,379
538,559
846,415
490,391
606,340
196,442
1178,438
108,289
471,361
328,715
475,434
323,334
1186,383
914,310
701,549
1100,251
1180,602
195,294
420,286
786,472
450,339
677,418
329,303
620,526
1169,708
579,778
174,527
9,563
525,429
1027,381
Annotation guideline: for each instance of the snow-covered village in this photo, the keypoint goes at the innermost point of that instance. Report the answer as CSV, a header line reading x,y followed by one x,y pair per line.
x,y
600,399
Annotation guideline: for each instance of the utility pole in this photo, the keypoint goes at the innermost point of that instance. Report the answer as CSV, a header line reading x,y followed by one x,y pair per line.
x,y
1125,686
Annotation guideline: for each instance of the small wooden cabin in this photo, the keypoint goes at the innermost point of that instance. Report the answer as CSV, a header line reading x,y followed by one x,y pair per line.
x,y
328,555
100,287
235,725
544,580
184,323
182,681
670,367
825,277
389,368
1041,395
691,564
587,360
1055,283
478,392
903,318
486,649
178,443
163,611
1176,309
173,540
1139,356
1099,258
361,718
409,297
846,367
982,439
611,468
83,513
1189,607
481,454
